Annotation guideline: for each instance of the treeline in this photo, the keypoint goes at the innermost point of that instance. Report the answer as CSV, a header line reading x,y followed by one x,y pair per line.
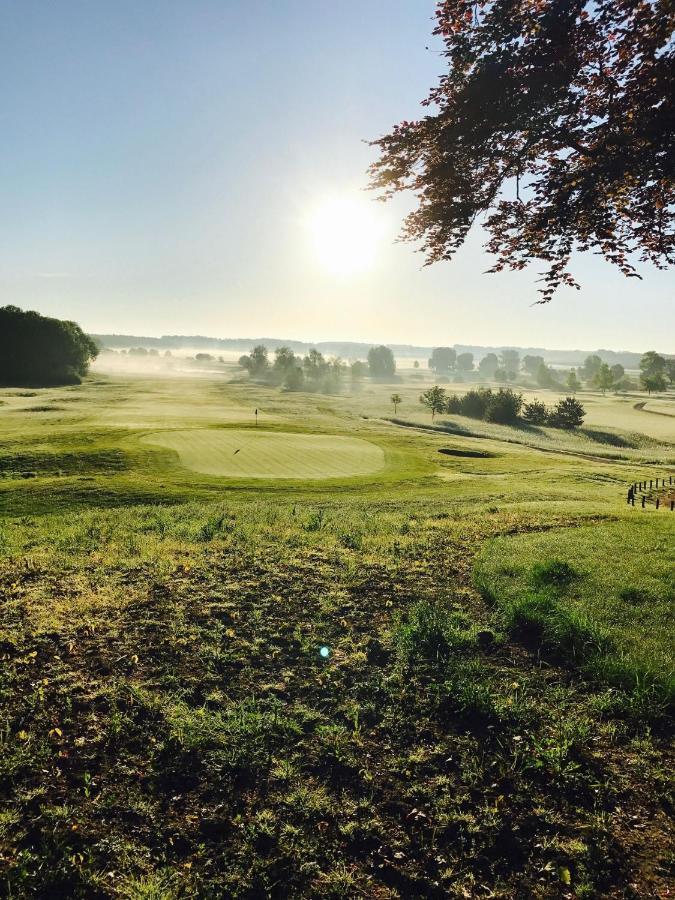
x,y
504,407
595,373
314,372
38,350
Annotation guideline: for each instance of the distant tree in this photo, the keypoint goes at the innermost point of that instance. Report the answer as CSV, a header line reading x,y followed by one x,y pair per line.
x,y
488,365
137,351
567,413
603,378
501,375
337,366
257,362
294,378
652,363
546,377
670,370
618,372
465,362
653,368
572,382
590,367
202,357
359,370
504,407
442,359
626,384
381,362
531,364
416,364
435,399
39,350
396,399
535,412
154,352
284,361
552,127
510,362
656,382
167,354
314,365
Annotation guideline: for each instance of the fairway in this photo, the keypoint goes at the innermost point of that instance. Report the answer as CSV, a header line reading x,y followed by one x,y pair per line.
x,y
263,454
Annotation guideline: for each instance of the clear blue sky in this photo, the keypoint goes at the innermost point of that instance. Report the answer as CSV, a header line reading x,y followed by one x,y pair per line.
x,y
159,159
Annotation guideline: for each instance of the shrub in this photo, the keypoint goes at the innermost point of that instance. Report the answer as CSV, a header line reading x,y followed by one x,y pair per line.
x,y
454,404
504,406
567,413
475,403
535,412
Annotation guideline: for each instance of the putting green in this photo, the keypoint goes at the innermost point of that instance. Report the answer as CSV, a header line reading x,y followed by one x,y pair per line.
x,y
237,453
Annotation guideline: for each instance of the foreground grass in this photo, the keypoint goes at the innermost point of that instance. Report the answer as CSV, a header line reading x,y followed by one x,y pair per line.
x,y
170,727
612,585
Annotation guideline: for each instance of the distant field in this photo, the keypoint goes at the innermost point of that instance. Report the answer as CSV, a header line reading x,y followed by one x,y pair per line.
x,y
261,454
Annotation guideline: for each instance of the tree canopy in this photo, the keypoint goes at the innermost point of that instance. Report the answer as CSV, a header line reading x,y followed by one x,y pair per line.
x,y
39,350
442,359
381,362
554,126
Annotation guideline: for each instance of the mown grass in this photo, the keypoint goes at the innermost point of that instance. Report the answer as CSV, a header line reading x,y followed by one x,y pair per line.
x,y
169,727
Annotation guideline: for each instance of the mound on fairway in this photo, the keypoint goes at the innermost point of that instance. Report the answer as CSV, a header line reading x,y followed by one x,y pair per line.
x,y
235,453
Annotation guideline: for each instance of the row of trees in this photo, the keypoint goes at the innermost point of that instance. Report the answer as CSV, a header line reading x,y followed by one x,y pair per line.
x,y
39,350
504,406
594,373
314,371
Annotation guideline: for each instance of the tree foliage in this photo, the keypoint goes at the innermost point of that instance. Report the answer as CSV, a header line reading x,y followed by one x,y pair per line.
x,y
39,350
535,412
603,378
488,365
381,362
465,362
554,125
442,359
567,413
435,399
531,364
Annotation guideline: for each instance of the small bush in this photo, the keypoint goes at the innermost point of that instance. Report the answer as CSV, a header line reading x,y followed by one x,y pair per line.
x,y
504,407
535,412
567,413
454,404
475,403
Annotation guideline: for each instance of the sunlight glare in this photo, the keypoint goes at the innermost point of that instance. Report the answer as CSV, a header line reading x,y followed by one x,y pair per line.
x,y
345,233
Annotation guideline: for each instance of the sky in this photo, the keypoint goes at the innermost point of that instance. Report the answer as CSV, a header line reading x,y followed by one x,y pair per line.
x,y
172,167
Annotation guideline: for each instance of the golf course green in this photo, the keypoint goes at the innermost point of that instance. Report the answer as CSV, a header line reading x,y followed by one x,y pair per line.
x,y
240,453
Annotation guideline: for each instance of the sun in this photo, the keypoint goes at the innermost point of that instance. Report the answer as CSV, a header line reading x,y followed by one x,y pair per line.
x,y
345,233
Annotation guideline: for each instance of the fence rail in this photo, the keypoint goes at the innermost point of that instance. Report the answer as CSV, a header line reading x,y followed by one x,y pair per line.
x,y
649,491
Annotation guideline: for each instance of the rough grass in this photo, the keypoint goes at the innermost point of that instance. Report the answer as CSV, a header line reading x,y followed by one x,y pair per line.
x,y
169,727
614,582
